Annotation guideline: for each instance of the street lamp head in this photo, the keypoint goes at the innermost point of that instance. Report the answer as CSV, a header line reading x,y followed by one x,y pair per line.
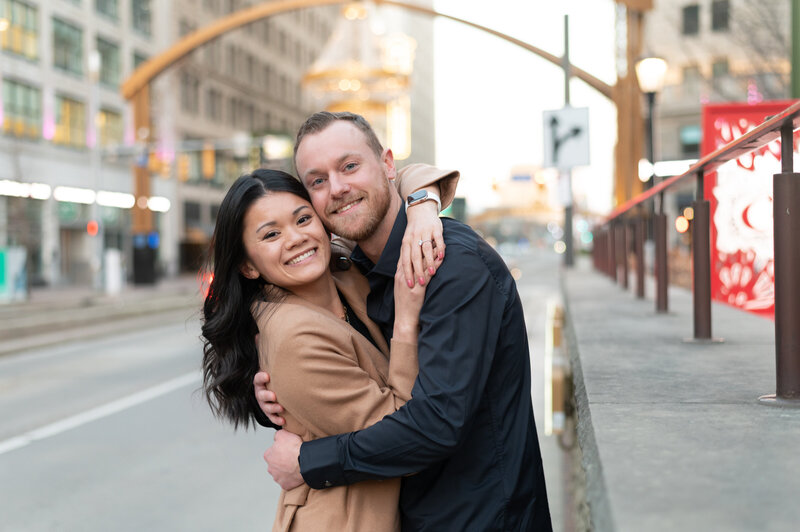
x,y
650,71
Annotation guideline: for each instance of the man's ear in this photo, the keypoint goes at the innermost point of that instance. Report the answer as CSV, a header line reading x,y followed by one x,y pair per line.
x,y
248,270
388,164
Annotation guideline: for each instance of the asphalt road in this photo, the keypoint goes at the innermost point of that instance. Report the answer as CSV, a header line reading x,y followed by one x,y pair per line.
x,y
112,433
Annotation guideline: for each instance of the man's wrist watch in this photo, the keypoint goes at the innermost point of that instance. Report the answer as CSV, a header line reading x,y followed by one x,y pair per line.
x,y
423,195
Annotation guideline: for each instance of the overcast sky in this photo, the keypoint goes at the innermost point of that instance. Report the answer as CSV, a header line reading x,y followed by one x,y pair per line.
x,y
490,94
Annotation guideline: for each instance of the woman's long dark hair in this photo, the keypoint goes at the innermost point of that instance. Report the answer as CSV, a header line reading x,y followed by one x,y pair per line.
x,y
230,357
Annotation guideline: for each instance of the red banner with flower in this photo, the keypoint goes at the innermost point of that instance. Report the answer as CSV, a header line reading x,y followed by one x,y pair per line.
x,y
740,194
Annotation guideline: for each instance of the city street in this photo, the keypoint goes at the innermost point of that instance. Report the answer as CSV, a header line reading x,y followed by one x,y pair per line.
x,y
113,434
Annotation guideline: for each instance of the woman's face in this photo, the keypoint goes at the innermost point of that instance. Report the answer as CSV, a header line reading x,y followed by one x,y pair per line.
x,y
284,241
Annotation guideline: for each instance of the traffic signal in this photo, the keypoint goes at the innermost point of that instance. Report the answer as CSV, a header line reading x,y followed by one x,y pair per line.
x,y
208,161
92,228
183,164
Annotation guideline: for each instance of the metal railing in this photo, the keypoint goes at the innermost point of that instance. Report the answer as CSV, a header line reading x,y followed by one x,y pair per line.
x,y
610,252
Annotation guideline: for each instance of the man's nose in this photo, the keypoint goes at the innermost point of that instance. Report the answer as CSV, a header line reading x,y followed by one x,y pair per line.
x,y
339,186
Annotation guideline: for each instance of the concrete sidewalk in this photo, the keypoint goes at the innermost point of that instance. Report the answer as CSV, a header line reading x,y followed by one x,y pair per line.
x,y
672,434
52,315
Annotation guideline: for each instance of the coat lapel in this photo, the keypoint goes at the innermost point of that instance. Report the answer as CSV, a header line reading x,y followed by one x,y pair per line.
x,y
355,289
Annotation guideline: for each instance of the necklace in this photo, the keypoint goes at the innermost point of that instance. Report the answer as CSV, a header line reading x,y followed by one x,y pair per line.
x,y
345,317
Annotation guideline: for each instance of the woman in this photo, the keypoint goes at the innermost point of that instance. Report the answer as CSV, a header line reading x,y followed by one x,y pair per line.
x,y
328,360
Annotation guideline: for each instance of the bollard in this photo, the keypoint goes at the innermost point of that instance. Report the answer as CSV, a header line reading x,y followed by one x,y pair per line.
x,y
662,275
639,229
786,209
701,257
786,216
612,251
623,253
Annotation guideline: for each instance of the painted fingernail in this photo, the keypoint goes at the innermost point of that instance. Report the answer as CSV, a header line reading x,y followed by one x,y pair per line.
x,y
410,284
441,255
421,281
431,270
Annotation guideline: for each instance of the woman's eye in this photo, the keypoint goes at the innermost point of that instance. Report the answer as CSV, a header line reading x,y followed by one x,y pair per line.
x,y
270,234
303,219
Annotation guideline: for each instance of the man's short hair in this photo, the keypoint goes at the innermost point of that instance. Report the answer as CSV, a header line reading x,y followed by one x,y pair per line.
x,y
321,120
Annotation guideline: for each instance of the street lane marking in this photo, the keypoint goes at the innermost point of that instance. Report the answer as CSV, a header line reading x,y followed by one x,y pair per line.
x,y
99,412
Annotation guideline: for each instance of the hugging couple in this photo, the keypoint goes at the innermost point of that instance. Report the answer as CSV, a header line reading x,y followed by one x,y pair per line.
x,y
393,358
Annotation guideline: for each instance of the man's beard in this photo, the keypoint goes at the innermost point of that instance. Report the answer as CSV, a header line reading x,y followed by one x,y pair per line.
x,y
369,223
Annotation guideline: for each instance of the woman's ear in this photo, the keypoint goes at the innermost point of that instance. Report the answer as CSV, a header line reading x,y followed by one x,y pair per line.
x,y
248,270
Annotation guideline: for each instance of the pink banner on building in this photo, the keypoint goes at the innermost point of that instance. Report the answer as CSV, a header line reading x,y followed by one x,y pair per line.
x,y
740,193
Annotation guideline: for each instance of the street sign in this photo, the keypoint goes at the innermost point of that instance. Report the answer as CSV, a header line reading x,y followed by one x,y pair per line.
x,y
566,138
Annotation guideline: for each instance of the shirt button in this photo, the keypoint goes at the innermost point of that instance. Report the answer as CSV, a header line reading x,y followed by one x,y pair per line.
x,y
328,484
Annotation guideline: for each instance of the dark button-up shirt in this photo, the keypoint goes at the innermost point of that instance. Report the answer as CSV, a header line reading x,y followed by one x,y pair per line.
x,y
467,437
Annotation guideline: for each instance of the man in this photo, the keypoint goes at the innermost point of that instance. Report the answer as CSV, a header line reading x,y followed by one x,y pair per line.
x,y
466,442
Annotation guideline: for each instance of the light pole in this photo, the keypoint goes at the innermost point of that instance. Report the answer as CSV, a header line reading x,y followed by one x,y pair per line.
x,y
650,72
95,226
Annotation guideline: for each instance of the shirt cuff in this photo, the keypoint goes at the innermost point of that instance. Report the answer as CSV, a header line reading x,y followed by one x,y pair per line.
x,y
319,463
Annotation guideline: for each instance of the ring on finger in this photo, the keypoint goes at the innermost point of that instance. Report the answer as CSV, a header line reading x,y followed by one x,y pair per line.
x,y
423,241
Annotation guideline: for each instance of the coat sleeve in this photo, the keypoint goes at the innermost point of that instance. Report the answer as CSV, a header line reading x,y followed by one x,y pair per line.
x,y
319,382
416,176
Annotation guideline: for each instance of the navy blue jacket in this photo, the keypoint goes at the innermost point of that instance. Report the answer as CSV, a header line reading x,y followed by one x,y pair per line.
x,y
467,437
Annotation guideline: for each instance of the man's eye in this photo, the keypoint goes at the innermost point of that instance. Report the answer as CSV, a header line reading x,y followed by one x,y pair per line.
x,y
316,182
349,167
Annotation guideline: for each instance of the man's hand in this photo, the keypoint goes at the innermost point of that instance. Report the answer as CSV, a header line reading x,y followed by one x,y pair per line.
x,y
267,399
283,460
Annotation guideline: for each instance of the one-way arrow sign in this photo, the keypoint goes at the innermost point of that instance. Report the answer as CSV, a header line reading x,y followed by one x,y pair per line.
x,y
566,138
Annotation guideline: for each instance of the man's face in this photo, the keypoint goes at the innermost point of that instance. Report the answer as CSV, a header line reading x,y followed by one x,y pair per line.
x,y
347,182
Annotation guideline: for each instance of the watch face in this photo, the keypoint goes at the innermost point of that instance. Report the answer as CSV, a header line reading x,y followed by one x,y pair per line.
x,y
418,195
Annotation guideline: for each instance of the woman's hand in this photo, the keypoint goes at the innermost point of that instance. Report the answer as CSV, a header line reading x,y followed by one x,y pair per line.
x,y
419,262
407,304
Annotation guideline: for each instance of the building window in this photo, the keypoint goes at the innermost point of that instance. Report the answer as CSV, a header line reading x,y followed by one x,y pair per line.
x,y
67,47
691,75
691,19
232,111
140,10
138,59
190,93
70,122
110,67
719,68
109,8
22,33
22,109
110,129
720,15
690,137
214,104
